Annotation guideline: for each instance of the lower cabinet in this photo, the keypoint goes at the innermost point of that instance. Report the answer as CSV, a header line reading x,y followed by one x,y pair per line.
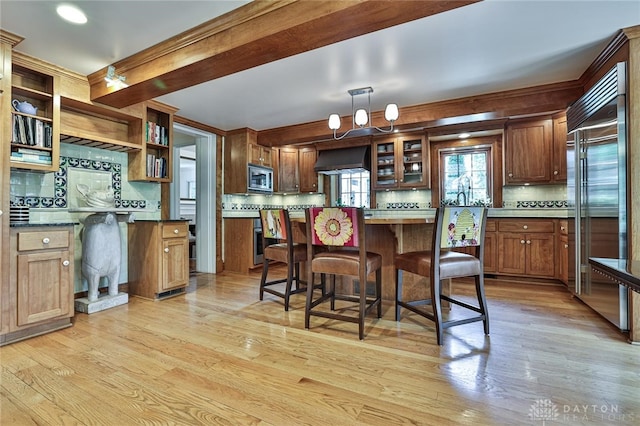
x,y
39,295
527,247
158,258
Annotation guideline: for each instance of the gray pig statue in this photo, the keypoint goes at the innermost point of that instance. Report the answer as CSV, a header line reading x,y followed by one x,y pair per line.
x,y
101,251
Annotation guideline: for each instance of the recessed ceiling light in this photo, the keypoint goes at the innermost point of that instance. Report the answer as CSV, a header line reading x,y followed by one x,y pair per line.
x,y
71,14
464,135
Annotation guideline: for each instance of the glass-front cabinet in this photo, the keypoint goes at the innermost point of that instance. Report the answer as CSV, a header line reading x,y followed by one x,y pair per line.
x,y
400,162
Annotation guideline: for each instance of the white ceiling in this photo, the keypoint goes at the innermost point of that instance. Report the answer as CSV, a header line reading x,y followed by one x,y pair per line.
x,y
485,47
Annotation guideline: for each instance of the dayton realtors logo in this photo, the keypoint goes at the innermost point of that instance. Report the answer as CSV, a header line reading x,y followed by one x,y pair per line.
x,y
544,410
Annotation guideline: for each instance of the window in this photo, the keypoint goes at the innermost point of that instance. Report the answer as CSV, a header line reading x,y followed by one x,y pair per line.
x,y
354,189
465,176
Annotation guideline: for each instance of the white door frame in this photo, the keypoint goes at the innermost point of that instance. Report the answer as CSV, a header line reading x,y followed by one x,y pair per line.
x,y
205,196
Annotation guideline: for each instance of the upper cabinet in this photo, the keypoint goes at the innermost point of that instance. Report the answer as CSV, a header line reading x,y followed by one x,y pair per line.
x,y
260,155
153,163
35,119
535,151
400,162
560,139
296,170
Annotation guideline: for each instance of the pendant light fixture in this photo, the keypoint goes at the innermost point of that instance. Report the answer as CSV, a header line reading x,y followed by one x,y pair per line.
x,y
361,116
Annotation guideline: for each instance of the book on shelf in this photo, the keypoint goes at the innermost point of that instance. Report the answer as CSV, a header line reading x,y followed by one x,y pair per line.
x,y
40,158
157,134
31,131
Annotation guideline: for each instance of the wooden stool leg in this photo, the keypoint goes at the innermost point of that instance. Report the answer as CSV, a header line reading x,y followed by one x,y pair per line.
x,y
398,292
265,268
436,289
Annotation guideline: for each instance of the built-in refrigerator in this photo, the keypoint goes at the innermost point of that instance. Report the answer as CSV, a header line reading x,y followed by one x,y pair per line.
x,y
597,189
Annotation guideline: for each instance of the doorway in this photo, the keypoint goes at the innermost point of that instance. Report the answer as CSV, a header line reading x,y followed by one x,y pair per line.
x,y
199,191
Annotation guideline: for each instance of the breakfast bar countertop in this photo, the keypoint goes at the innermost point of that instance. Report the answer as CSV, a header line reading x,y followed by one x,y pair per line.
x,y
406,216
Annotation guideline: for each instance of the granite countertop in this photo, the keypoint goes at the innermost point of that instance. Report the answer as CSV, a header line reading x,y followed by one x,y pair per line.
x,y
33,225
422,214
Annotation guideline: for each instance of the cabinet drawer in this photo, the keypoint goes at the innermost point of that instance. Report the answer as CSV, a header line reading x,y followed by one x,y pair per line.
x,y
175,230
491,226
42,240
525,226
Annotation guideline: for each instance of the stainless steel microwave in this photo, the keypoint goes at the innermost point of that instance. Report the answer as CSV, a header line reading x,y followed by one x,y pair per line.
x,y
259,178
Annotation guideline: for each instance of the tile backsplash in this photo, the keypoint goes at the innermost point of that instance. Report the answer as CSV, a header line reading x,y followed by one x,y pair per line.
x,y
52,197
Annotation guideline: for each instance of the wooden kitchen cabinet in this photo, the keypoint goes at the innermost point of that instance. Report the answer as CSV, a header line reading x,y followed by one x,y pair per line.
x,y
241,148
35,136
491,247
259,155
153,163
39,295
296,170
528,152
400,162
307,158
158,258
527,247
559,171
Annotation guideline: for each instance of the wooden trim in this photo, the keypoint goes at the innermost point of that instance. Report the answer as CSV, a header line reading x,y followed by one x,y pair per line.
x,y
9,38
493,107
197,125
252,35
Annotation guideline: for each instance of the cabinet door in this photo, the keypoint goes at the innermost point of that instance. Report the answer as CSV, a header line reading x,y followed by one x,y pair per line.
x,y
259,155
308,177
44,280
541,255
490,252
289,174
559,172
528,152
175,263
383,167
412,160
563,255
511,253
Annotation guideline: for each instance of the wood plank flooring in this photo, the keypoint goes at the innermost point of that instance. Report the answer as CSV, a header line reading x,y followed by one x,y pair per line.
x,y
218,355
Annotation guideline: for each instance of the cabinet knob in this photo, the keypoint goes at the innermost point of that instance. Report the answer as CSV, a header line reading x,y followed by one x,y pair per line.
x,y
555,173
566,246
46,240
522,241
65,263
528,241
166,249
562,228
525,227
175,231
510,174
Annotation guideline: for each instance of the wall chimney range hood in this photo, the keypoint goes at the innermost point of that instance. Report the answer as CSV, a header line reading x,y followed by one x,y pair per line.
x,y
344,160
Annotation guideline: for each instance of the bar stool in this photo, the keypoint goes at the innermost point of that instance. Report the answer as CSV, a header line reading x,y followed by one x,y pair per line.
x,y
278,246
341,231
455,227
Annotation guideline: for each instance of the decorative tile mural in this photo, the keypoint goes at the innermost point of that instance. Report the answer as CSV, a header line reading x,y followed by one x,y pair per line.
x,y
96,174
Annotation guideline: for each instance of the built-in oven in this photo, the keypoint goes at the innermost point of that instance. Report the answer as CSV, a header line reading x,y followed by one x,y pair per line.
x,y
258,250
259,178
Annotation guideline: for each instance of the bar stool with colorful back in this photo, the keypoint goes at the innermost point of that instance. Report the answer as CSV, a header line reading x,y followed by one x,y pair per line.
x,y
341,231
278,246
455,227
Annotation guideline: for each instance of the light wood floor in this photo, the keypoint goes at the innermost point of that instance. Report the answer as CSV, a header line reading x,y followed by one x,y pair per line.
x,y
217,355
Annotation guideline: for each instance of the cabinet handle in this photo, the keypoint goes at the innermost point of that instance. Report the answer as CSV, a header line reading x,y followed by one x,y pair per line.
x,y
528,241
555,173
566,246
46,240
65,263
525,227
522,241
175,231
166,249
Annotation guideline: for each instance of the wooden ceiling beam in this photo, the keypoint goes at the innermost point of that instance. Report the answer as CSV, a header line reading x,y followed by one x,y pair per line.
x,y
254,34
